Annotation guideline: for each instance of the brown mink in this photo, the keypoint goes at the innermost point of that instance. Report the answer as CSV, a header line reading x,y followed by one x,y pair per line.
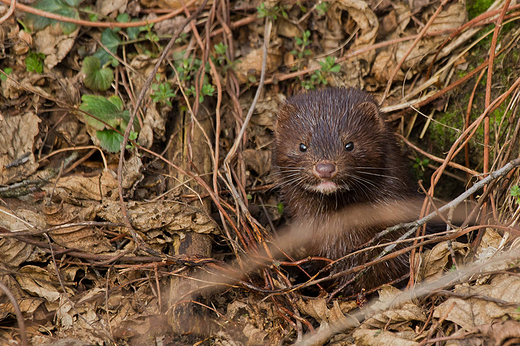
x,y
333,151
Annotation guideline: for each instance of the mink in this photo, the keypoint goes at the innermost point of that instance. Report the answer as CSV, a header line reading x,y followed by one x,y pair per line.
x,y
333,150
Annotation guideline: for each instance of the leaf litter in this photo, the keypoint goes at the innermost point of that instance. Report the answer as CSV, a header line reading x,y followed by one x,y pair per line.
x,y
179,249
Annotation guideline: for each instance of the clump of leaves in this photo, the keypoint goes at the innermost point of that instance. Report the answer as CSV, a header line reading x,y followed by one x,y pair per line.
x,y
106,116
319,76
34,62
162,92
322,8
186,68
515,192
206,90
96,78
221,58
302,47
66,8
271,12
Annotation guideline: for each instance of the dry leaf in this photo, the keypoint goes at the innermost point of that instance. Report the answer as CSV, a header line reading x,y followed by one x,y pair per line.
x,y
167,215
17,134
380,337
12,251
37,281
52,42
258,160
393,318
473,312
84,238
434,261
75,189
251,64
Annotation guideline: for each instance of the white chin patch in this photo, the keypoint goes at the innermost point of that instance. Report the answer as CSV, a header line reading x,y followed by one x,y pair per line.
x,y
326,187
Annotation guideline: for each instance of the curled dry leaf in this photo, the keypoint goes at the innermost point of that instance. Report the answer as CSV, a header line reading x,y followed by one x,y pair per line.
x,y
12,251
394,318
132,171
107,7
334,315
258,160
434,262
473,312
52,42
75,189
251,64
501,331
17,134
89,239
37,281
370,337
383,67
167,215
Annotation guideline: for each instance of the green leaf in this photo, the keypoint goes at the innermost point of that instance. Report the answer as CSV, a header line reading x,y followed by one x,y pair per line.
x,y
280,208
111,41
123,18
110,140
102,109
7,71
116,101
96,78
34,62
133,32
335,68
66,8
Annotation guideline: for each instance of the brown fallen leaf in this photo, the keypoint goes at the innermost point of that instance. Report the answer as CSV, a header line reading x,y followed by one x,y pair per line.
x,y
473,312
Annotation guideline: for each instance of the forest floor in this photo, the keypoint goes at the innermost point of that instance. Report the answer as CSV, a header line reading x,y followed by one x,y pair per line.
x,y
138,199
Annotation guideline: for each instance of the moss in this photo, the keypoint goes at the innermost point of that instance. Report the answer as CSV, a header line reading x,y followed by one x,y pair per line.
x,y
443,132
477,7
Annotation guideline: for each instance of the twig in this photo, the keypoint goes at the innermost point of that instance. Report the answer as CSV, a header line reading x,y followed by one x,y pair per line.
x,y
17,312
88,23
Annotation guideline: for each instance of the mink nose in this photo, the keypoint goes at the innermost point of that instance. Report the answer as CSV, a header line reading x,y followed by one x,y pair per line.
x,y
325,170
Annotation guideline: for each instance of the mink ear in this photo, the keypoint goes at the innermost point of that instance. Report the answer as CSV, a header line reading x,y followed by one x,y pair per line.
x,y
285,112
370,111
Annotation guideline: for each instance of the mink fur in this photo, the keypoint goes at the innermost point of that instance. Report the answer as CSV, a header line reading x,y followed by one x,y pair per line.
x,y
333,150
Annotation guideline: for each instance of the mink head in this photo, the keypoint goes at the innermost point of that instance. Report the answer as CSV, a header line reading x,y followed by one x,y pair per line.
x,y
333,141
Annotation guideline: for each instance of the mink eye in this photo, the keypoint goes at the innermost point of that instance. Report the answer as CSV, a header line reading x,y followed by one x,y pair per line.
x,y
349,146
303,147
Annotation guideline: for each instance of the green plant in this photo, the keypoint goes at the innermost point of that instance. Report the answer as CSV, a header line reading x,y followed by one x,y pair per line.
x,y
7,72
271,12
96,78
280,208
207,90
67,8
221,58
318,77
420,167
107,117
162,92
186,68
111,41
34,62
329,65
515,192
302,44
322,8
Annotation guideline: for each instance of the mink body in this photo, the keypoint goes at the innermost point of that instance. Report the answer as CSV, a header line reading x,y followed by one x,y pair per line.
x,y
333,151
